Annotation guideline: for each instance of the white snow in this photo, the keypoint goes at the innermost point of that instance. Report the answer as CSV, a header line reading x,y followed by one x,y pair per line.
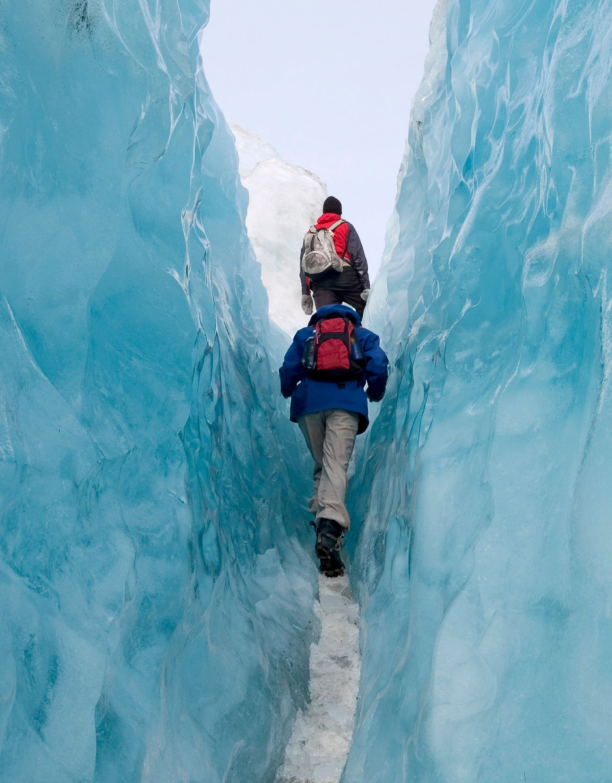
x,y
284,201
252,149
319,746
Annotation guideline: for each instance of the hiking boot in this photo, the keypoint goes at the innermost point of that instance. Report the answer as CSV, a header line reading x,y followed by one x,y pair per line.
x,y
329,542
332,566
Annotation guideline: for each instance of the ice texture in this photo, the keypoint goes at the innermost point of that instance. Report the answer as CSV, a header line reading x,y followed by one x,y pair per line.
x,y
484,563
284,201
156,599
156,606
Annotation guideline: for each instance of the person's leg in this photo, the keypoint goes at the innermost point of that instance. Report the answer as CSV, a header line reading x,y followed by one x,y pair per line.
x,y
353,298
312,427
347,288
326,296
340,433
327,547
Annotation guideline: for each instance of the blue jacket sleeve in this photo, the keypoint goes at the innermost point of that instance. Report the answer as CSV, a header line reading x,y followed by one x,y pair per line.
x,y
292,371
377,368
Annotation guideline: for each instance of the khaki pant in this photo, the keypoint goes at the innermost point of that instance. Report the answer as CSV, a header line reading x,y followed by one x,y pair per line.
x,y
330,436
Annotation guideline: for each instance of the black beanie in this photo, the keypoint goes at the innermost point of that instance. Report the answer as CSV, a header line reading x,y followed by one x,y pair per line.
x,y
332,205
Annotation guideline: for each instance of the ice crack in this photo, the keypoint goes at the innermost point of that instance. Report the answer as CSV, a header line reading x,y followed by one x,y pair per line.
x,y
319,745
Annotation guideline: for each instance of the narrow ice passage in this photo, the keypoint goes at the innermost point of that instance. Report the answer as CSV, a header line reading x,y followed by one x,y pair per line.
x,y
156,575
321,739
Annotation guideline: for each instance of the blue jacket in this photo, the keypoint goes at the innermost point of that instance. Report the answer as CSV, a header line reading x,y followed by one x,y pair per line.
x,y
310,396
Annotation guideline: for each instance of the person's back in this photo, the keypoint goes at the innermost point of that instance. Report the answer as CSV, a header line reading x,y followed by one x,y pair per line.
x,y
352,283
325,373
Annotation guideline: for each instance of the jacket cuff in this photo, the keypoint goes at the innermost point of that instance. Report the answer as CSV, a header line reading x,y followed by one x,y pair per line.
x,y
365,280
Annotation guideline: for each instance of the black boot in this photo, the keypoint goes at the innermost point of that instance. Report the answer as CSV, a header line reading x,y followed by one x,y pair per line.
x,y
329,542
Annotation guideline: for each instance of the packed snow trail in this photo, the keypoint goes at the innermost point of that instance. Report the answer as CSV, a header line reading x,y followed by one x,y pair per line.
x,y
319,746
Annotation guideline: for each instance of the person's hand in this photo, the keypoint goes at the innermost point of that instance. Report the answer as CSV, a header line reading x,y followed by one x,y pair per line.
x,y
372,397
307,304
364,294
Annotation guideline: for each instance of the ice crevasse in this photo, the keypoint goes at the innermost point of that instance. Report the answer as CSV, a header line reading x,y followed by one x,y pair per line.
x,y
157,591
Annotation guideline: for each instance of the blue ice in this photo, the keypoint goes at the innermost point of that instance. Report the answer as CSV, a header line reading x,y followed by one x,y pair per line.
x,y
484,562
156,598
156,605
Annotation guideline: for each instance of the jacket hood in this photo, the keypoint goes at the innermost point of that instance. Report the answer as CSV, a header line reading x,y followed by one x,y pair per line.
x,y
328,219
336,309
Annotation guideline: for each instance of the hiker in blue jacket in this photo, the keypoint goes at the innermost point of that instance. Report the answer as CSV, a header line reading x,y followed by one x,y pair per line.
x,y
325,372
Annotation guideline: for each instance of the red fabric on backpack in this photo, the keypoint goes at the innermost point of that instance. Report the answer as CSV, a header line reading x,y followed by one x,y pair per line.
x,y
333,353
340,234
333,325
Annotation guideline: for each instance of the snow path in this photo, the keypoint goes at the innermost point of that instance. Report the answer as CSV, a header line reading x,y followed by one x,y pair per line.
x,y
319,745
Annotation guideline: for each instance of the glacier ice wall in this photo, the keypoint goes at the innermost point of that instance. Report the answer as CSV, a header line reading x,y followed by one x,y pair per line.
x,y
156,600
485,559
284,201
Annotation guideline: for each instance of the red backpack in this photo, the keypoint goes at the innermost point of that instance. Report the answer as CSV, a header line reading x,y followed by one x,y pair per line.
x,y
334,353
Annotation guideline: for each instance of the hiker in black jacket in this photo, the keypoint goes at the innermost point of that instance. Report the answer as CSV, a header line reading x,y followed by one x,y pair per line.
x,y
352,285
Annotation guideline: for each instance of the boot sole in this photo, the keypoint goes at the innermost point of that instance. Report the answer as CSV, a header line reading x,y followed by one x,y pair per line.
x,y
332,573
328,567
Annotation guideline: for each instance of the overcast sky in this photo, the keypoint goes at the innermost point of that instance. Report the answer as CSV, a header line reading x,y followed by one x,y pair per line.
x,y
330,85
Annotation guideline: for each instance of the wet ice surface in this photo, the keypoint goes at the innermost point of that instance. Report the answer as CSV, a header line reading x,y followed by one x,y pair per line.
x,y
322,735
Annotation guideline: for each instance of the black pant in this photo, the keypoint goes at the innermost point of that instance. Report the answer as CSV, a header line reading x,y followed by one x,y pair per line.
x,y
345,287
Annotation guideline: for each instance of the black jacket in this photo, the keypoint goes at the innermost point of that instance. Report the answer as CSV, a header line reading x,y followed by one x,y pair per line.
x,y
356,257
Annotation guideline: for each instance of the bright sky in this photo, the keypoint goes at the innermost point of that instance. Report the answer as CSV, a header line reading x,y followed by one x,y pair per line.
x,y
330,85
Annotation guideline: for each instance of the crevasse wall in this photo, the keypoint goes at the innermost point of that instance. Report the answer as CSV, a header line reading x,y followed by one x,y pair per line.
x,y
484,562
156,601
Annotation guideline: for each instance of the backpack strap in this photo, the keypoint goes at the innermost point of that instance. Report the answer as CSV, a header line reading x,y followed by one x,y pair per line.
x,y
315,230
